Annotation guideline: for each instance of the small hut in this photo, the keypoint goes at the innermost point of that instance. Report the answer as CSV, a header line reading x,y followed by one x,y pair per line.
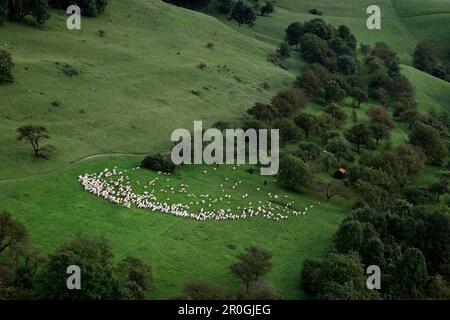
x,y
340,173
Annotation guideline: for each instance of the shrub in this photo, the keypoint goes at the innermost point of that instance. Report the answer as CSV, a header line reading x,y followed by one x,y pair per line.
x,y
288,101
3,11
315,12
158,163
346,64
70,70
89,8
225,6
283,50
6,66
267,9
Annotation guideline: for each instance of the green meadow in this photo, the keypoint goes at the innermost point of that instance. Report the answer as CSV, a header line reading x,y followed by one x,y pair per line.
x,y
139,83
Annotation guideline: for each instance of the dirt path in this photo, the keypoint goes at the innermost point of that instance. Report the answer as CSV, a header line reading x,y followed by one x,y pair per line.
x,y
73,164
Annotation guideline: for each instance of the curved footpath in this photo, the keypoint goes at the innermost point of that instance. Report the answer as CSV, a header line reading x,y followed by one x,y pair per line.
x,y
73,164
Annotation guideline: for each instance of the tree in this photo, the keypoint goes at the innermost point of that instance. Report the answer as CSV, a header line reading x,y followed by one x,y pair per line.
x,y
383,52
314,49
286,102
251,265
428,138
360,96
243,14
294,173
203,290
283,50
319,28
372,252
225,6
94,257
365,49
346,64
332,189
258,290
410,275
135,278
313,79
337,113
34,135
381,116
307,122
92,8
360,135
340,47
288,130
294,33
308,151
6,66
264,112
432,237
335,276
411,117
425,57
440,187
379,131
38,9
340,148
267,9
12,232
349,237
328,160
3,11
334,92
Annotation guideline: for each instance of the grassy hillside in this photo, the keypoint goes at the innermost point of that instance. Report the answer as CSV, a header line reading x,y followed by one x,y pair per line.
x,y
135,87
55,208
136,82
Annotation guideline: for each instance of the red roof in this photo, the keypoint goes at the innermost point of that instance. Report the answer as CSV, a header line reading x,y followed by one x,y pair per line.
x,y
342,170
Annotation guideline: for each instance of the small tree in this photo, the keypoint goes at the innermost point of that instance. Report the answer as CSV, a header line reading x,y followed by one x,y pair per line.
x,y
252,265
12,232
34,135
3,11
349,237
225,6
243,14
346,64
379,131
308,122
339,147
6,66
203,290
360,135
294,173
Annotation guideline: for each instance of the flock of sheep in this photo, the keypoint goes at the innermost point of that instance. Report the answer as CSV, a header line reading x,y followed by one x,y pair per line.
x,y
115,186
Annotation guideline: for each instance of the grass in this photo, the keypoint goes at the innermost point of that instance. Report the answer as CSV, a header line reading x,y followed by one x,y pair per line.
x,y
135,86
135,82
55,208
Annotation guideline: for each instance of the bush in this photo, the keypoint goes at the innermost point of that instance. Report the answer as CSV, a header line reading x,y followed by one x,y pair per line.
x,y
225,6
89,8
38,9
6,66
70,70
346,65
283,50
158,163
3,11
315,12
